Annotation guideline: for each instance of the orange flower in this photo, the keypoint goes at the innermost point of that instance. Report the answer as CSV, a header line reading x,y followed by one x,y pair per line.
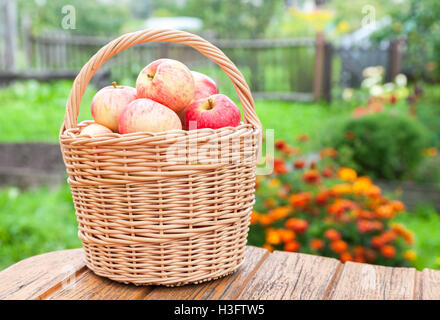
x,y
345,256
338,246
279,213
362,185
341,189
363,214
280,144
299,164
269,203
385,212
400,230
332,234
359,250
377,242
297,225
374,191
347,174
287,235
340,206
398,206
254,217
311,176
321,198
370,255
410,255
274,183
292,246
300,200
265,219
317,244
327,172
328,152
367,225
388,251
273,237
302,137
268,247
359,259
279,166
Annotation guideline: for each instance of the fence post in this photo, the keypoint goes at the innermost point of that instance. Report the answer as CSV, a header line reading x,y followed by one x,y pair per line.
x,y
319,66
327,77
395,54
10,35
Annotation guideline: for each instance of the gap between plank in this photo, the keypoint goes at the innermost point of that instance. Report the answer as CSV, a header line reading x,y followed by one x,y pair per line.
x,y
251,275
333,282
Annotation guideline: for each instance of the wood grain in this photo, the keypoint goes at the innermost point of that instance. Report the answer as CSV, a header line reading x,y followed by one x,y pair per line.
x,y
225,288
33,277
287,276
89,286
362,281
430,284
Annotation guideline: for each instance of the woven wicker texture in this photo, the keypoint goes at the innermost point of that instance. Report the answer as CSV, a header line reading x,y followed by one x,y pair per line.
x,y
166,208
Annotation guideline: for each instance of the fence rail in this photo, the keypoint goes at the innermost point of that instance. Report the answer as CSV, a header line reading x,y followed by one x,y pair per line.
x,y
302,69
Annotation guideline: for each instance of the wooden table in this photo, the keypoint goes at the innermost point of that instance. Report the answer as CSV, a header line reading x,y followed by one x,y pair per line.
x,y
264,275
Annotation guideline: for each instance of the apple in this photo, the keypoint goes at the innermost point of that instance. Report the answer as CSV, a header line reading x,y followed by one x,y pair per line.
x,y
168,82
204,86
216,111
94,130
147,115
108,103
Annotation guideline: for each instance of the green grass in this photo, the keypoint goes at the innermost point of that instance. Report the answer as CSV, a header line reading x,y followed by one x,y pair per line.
x,y
425,223
35,221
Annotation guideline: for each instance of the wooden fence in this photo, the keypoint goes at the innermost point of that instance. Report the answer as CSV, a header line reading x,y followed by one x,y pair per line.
x,y
285,69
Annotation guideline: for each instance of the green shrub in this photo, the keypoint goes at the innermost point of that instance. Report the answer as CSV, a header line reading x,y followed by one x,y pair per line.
x,y
379,145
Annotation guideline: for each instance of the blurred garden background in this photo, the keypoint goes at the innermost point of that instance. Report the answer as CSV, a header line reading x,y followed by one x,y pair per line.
x,y
351,89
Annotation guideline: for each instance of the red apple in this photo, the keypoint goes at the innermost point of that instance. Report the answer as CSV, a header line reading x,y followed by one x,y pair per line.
x,y
168,82
147,115
94,130
108,103
204,86
216,111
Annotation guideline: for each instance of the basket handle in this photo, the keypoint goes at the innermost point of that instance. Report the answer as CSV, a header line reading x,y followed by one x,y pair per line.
x,y
164,35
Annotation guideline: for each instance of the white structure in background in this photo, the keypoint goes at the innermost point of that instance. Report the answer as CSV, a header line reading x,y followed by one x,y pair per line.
x,y
361,37
179,23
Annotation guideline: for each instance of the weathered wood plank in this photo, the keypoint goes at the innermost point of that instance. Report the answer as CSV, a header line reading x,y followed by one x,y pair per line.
x,y
225,288
291,276
362,281
430,284
89,286
33,277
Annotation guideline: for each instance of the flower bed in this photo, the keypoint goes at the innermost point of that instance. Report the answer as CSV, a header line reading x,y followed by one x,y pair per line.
x,y
322,209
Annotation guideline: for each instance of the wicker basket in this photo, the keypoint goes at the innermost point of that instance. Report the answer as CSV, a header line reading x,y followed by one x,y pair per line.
x,y
146,217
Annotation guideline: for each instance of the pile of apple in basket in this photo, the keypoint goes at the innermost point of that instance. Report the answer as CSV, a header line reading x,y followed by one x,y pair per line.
x,y
167,96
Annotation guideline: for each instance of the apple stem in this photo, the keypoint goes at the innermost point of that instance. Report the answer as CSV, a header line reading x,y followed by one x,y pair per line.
x,y
114,84
211,102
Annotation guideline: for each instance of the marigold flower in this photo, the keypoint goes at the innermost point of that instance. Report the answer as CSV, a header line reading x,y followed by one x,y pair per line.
x,y
279,166
302,137
268,247
322,198
328,152
273,237
280,144
274,183
338,246
292,246
363,214
299,164
377,242
359,250
279,213
398,206
254,217
317,244
374,191
327,172
265,219
287,235
370,255
385,211
345,256
359,259
410,255
362,185
347,174
342,189
297,225
388,251
400,230
269,203
332,234
311,176
365,226
300,200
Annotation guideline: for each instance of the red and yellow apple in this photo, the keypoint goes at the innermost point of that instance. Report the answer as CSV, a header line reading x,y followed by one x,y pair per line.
x,y
108,103
147,115
216,111
168,82
94,130
204,86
